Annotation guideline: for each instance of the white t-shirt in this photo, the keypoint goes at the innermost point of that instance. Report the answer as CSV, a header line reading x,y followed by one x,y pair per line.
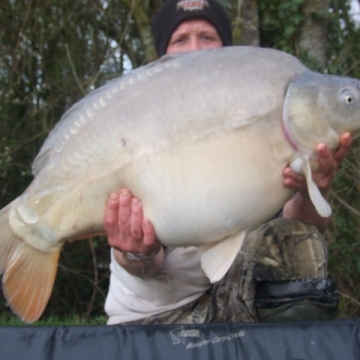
x,y
180,281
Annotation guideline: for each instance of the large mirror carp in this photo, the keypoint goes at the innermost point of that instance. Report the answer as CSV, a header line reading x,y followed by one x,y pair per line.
x,y
201,138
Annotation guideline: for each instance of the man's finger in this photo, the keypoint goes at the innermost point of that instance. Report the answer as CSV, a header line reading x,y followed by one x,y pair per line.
x,y
136,220
149,233
344,148
124,212
110,218
291,176
327,163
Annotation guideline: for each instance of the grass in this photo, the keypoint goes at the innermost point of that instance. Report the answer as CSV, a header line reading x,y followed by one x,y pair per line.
x,y
8,320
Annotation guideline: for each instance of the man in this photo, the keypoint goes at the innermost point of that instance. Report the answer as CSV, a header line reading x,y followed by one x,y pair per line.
x,y
153,284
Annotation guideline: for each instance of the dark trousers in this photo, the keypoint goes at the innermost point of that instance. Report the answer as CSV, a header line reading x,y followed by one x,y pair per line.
x,y
279,250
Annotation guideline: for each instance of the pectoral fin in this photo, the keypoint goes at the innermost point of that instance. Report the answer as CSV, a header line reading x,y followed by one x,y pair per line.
x,y
321,205
217,258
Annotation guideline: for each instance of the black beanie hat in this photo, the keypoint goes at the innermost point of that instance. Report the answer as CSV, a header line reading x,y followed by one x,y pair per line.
x,y
174,12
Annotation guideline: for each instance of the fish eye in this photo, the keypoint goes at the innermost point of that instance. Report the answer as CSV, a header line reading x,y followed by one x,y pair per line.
x,y
348,97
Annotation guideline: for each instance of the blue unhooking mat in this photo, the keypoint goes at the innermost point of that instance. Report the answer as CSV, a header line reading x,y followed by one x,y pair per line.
x,y
325,340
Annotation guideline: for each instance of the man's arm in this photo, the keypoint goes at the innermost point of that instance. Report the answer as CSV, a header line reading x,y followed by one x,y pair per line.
x,y
133,238
300,206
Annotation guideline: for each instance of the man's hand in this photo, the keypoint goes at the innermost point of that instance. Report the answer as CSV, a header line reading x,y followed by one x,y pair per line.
x,y
329,164
133,238
300,206
125,226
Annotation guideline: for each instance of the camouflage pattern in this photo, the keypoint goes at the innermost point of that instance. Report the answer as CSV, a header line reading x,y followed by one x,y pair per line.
x,y
279,250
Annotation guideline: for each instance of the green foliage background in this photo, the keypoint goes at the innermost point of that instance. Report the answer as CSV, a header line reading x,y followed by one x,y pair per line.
x,y
280,29
55,51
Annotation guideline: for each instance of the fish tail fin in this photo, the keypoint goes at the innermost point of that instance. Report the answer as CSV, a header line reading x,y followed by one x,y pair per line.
x,y
28,273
